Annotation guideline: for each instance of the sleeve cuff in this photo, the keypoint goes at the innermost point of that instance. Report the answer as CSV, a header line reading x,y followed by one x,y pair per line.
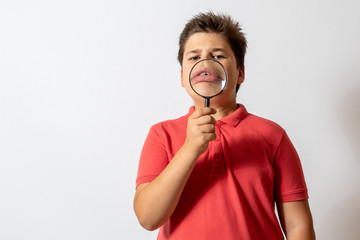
x,y
145,179
291,196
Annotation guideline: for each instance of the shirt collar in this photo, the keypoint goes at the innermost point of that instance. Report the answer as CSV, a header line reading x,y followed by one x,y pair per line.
x,y
233,119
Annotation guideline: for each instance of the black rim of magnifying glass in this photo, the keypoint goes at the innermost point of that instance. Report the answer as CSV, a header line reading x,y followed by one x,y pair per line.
x,y
207,99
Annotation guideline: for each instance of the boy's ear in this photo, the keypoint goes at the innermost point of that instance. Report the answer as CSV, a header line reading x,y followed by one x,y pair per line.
x,y
182,78
241,76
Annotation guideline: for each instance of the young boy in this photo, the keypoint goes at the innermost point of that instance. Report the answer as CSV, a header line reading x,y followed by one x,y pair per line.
x,y
217,172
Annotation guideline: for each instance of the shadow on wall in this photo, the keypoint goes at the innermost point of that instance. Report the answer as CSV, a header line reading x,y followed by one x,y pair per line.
x,y
350,119
347,210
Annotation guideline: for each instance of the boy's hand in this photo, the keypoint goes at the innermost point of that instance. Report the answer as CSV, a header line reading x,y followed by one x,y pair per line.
x,y
200,130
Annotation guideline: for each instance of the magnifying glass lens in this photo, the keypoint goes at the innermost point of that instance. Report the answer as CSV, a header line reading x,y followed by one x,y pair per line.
x,y
208,78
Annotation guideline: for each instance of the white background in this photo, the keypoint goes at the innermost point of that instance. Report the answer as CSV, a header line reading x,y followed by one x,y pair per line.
x,y
81,82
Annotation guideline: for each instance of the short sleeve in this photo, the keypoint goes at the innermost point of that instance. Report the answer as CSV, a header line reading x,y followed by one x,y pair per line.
x,y
289,178
153,158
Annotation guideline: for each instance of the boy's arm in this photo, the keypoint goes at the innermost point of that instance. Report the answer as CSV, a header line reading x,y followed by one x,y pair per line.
x,y
296,220
154,202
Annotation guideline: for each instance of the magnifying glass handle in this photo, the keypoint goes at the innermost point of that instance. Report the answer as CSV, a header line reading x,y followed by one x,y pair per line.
x,y
207,102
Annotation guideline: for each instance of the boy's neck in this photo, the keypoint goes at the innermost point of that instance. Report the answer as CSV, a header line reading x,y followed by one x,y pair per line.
x,y
223,111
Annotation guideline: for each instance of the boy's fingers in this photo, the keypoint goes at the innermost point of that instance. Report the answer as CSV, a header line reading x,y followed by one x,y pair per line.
x,y
208,128
203,111
206,119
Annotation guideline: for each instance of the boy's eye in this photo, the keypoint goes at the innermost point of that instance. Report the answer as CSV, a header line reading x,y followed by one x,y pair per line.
x,y
218,56
194,58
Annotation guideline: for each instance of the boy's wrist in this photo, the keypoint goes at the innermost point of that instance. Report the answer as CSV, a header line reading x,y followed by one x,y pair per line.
x,y
191,150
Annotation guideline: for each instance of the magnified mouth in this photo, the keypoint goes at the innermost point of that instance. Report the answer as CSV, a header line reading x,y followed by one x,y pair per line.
x,y
205,75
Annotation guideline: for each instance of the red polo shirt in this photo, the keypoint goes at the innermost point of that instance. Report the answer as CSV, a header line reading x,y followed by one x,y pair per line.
x,y
232,189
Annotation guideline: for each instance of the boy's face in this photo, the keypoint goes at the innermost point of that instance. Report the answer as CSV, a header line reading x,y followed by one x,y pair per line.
x,y
211,46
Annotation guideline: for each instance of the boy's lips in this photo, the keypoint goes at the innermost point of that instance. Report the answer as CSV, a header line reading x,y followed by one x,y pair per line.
x,y
205,75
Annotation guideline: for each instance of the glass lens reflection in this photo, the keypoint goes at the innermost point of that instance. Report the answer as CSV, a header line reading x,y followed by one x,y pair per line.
x,y
208,78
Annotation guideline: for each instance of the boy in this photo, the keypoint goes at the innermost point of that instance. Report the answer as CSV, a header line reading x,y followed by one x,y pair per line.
x,y
217,172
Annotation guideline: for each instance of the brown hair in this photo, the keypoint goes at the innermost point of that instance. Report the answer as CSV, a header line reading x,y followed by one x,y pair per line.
x,y
216,23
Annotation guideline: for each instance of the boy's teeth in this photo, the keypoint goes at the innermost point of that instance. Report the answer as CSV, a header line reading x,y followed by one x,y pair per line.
x,y
204,73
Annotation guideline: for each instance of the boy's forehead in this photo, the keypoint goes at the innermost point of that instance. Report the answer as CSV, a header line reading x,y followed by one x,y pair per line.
x,y
206,40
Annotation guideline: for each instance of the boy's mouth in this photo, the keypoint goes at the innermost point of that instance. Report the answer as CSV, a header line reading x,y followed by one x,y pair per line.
x,y
205,75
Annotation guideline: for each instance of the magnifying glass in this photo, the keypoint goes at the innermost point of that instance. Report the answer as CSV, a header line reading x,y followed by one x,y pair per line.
x,y
208,78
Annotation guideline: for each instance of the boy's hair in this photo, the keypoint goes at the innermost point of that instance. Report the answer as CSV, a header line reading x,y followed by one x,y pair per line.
x,y
216,23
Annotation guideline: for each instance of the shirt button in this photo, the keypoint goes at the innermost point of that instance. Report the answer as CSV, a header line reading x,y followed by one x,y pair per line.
x,y
218,170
